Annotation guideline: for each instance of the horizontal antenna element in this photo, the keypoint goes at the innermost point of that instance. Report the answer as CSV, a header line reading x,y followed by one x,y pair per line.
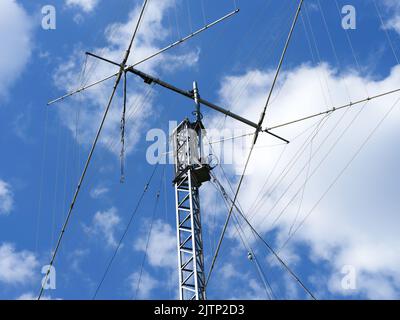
x,y
176,43
348,105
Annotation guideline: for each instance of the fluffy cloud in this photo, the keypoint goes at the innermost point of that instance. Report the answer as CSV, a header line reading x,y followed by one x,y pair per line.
x,y
152,36
98,192
146,286
85,5
356,222
233,283
16,267
393,23
31,296
162,247
105,224
393,20
16,43
6,198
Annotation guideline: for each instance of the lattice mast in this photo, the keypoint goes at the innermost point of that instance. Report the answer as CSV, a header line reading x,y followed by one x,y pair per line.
x,y
190,172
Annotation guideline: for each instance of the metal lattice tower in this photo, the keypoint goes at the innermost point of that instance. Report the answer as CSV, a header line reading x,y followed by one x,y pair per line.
x,y
190,173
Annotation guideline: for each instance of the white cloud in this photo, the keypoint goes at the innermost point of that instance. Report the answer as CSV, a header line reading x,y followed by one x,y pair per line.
x,y
356,224
16,267
21,125
16,43
239,285
33,296
6,198
393,19
153,35
228,271
98,192
85,5
394,23
146,286
162,246
105,224
76,258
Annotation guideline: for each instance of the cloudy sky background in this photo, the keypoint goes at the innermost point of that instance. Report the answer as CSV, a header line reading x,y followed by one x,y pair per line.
x,y
333,192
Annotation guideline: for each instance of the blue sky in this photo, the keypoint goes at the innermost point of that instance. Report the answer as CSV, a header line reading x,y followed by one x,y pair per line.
x,y
350,217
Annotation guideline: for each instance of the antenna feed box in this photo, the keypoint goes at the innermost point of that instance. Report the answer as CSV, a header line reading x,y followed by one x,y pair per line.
x,y
188,150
